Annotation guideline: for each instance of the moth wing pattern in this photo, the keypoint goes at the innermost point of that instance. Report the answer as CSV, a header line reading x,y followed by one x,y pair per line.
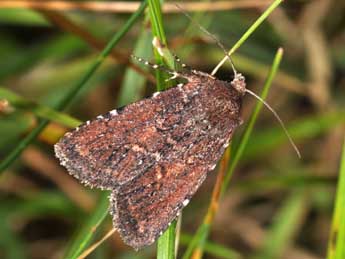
x,y
193,143
154,154
115,148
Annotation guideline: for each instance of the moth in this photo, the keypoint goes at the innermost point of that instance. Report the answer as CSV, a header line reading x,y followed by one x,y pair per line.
x,y
154,154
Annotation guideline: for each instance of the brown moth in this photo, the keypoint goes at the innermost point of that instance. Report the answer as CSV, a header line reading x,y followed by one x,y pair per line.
x,y
154,154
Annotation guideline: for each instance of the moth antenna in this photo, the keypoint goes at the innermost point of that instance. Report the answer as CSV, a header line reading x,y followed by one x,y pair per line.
x,y
173,74
215,39
278,118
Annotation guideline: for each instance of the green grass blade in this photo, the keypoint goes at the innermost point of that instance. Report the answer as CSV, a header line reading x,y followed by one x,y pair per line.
x,y
40,111
166,243
75,90
87,232
251,29
249,129
199,240
157,21
158,32
336,243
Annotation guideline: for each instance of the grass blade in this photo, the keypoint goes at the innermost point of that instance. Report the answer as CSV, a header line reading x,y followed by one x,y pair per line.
x,y
85,235
251,29
40,111
158,34
166,243
336,243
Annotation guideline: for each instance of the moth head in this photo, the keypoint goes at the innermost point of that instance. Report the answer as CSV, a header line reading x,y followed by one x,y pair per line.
x,y
239,83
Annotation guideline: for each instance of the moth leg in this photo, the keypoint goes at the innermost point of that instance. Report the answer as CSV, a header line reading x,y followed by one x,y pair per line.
x,y
183,65
174,74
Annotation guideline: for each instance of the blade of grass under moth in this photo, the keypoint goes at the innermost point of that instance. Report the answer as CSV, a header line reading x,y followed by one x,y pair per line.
x,y
40,111
336,243
75,90
166,243
203,230
251,29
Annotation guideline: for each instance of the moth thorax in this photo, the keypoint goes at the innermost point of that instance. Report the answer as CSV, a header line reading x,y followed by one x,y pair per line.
x,y
239,84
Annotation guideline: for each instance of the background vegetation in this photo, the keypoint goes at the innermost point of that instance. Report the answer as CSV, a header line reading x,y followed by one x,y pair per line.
x,y
260,202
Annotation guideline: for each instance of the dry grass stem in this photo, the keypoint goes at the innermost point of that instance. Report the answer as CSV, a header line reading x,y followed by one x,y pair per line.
x,y
129,7
95,245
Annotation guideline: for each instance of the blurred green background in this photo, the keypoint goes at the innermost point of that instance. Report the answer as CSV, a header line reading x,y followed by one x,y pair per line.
x,y
277,206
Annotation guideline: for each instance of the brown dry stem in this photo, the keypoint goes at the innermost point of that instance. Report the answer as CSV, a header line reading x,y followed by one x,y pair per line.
x,y
129,7
214,203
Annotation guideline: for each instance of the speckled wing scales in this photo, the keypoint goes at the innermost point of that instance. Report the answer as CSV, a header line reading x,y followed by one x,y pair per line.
x,y
115,148
154,154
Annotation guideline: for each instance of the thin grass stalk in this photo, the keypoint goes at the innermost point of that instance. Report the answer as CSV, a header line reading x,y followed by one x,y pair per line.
x,y
251,29
39,110
158,35
74,90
